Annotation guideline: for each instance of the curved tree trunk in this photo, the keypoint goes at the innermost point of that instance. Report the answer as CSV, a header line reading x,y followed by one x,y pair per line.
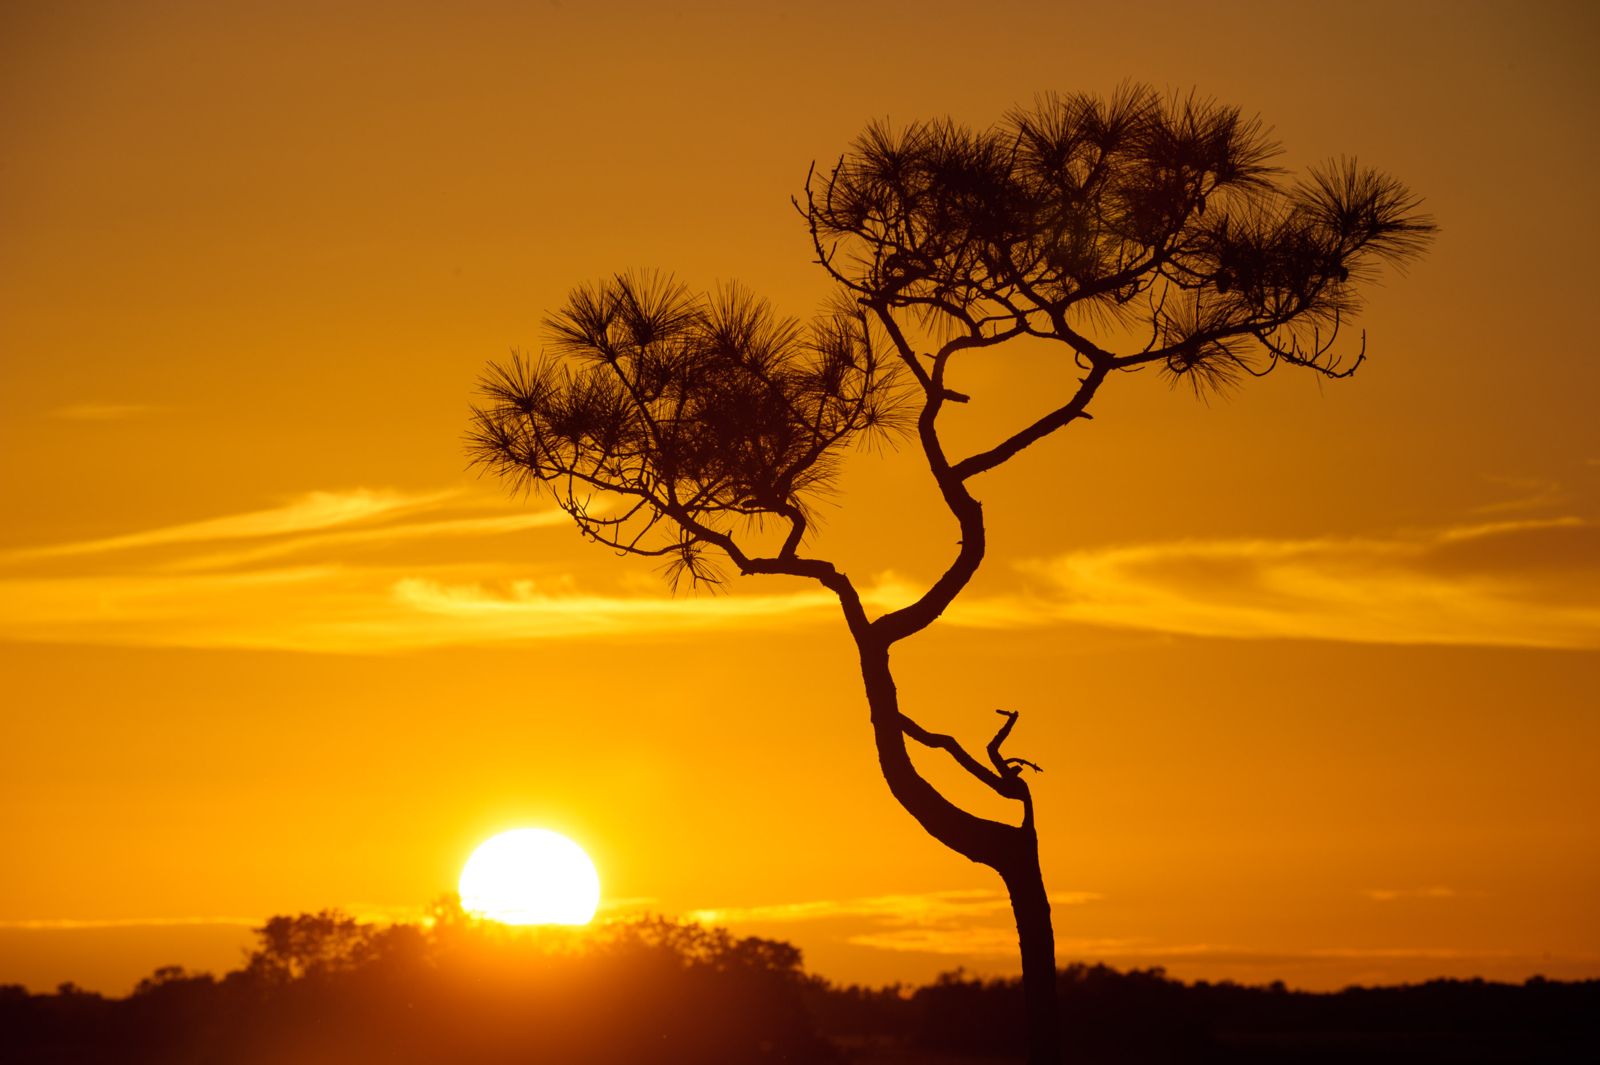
x,y
1011,850
1031,908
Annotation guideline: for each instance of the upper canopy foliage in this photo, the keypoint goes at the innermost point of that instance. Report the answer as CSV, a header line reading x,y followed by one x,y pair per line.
x,y
1138,215
1135,210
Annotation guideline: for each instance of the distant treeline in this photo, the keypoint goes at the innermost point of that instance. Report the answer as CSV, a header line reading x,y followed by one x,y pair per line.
x,y
1143,1017
322,988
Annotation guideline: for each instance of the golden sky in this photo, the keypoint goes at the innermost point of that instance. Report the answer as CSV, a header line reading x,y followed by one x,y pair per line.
x,y
1311,668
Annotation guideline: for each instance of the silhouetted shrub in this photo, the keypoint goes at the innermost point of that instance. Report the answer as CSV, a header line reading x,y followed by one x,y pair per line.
x,y
322,989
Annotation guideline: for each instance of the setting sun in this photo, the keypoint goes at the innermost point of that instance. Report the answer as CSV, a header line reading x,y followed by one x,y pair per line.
x,y
530,876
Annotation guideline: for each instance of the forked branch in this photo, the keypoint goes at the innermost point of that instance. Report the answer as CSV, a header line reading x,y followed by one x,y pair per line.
x,y
1004,779
1008,767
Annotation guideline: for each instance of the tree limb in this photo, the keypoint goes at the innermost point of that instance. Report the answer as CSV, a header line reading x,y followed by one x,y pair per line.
x,y
1007,784
987,460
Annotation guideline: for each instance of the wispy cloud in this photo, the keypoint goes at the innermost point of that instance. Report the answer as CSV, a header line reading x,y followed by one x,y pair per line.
x,y
928,907
103,412
524,610
1524,494
73,924
307,513
998,946
455,528
965,922
1512,583
629,905
230,581
964,942
341,609
975,926
366,912
999,942
1393,894
307,575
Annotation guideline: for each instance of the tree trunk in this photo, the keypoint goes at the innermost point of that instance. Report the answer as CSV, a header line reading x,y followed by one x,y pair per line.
x,y
1011,850
1031,908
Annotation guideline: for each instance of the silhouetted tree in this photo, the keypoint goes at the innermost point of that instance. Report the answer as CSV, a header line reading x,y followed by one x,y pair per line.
x,y
308,945
1130,232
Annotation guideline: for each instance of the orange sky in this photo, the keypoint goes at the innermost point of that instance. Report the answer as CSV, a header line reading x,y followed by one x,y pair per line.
x,y
1310,669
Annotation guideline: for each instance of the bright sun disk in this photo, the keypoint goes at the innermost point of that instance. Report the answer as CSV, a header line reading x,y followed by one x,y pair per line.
x,y
530,876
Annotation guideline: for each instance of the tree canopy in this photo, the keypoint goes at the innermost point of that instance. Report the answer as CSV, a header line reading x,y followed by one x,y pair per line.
x,y
702,413
668,422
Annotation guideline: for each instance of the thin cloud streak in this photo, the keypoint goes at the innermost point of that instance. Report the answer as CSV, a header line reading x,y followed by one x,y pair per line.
x,y
1508,584
365,912
103,412
203,592
527,610
1001,943
1394,894
965,922
455,528
1505,583
345,609
925,907
310,512
74,924
1530,494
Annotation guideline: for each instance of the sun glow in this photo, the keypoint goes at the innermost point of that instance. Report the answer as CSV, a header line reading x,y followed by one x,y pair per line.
x,y
530,876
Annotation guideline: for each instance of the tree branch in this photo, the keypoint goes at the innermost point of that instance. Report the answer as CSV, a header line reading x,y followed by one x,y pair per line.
x,y
1011,768
819,570
1007,784
975,464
